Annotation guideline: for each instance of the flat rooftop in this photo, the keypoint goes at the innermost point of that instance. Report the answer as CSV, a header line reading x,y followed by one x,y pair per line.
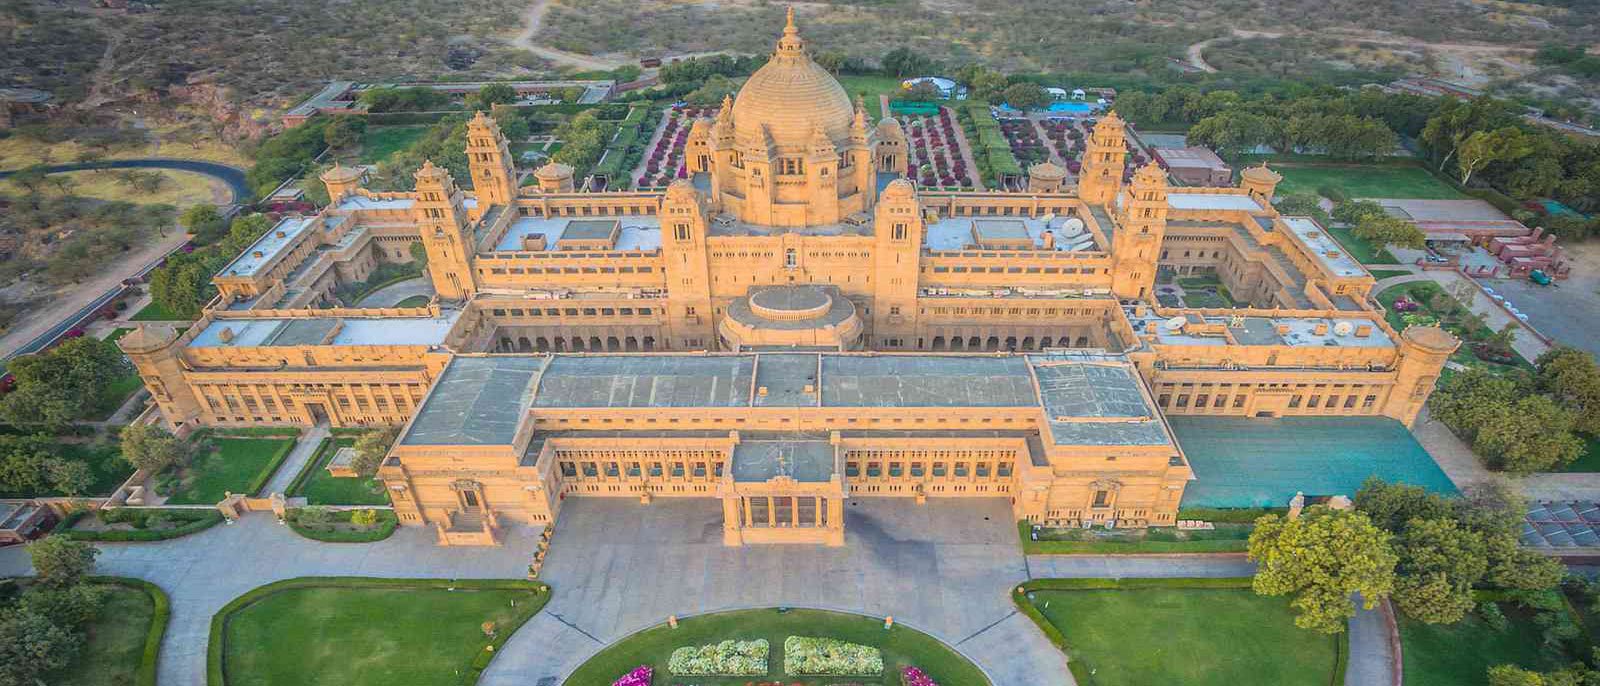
x,y
250,333
1252,330
361,202
476,401
638,232
964,233
268,246
1212,201
926,381
805,461
1328,251
647,381
1097,403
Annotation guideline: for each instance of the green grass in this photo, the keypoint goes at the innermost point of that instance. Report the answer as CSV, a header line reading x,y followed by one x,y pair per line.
x,y
380,142
383,528
900,646
118,333
1381,274
1360,248
1589,461
870,87
1226,538
1461,654
113,396
1366,180
1190,636
115,649
154,312
320,488
238,465
414,301
360,632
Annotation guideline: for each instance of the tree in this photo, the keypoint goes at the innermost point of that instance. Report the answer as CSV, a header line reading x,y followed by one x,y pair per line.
x,y
1439,562
712,91
921,92
58,386
1026,95
364,518
1354,211
1512,675
626,73
60,562
1383,229
32,645
1480,148
1573,379
903,62
201,218
344,131
1298,204
31,178
371,448
1533,434
150,448
1321,558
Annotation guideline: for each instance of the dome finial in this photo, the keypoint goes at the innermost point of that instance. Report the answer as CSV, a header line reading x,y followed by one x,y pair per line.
x,y
789,28
791,44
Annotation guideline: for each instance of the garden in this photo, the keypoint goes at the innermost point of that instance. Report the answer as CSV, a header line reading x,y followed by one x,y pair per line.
x,y
1426,303
319,487
1196,632
1204,290
138,524
342,526
223,465
1364,181
818,648
934,151
364,631
1066,137
1223,537
1533,630
665,161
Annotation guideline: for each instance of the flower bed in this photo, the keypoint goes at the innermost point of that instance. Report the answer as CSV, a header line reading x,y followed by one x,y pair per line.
x,y
640,676
665,161
911,676
1024,139
934,153
728,658
811,656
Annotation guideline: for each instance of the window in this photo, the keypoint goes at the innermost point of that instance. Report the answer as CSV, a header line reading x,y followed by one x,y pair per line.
x,y
589,470
1102,498
1294,401
916,469
791,260
568,469
938,469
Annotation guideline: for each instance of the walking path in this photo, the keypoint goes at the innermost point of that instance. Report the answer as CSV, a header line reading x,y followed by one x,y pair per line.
x,y
392,294
297,459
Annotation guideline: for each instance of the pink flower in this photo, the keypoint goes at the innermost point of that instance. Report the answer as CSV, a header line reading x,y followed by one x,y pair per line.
x,y
911,676
640,676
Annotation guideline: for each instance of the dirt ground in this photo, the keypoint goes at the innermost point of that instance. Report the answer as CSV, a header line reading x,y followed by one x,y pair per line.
x,y
1569,310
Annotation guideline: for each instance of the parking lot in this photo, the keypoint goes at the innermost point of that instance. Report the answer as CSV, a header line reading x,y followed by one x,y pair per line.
x,y
1568,310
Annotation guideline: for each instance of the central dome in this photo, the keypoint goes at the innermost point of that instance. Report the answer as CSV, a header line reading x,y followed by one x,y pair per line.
x,y
791,96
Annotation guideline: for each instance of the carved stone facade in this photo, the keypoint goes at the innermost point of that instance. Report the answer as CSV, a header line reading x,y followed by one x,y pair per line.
x,y
792,325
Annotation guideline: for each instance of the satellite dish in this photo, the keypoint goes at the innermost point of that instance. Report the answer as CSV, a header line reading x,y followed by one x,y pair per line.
x,y
1174,324
1073,225
1343,329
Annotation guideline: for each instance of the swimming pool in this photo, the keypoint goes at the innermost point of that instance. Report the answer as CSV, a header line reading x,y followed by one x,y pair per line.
x,y
1070,108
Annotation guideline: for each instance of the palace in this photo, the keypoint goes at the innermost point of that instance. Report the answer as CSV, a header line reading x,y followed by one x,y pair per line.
x,y
793,325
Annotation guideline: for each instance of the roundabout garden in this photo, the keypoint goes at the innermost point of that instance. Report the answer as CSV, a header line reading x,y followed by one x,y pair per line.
x,y
778,646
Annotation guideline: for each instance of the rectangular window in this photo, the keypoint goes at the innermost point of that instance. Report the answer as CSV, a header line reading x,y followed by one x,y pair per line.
x,y
938,469
916,469
1102,498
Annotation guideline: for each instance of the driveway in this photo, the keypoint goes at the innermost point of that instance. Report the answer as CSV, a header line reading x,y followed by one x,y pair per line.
x,y
233,176
392,294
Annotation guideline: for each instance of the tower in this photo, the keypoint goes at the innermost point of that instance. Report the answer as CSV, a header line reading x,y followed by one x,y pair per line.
x,y
494,176
1141,225
1104,160
1260,182
153,350
897,228
822,173
1046,177
442,222
341,181
683,252
1423,351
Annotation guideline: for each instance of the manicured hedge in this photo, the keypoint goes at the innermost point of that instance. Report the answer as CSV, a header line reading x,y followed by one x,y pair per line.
x,y
310,466
250,432
161,612
1244,515
261,479
205,519
387,523
616,153
219,621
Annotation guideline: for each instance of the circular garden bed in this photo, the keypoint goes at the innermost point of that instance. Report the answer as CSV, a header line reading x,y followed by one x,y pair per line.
x,y
784,646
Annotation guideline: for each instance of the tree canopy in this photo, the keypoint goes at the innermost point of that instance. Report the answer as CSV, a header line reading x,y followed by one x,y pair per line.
x,y
1321,558
60,385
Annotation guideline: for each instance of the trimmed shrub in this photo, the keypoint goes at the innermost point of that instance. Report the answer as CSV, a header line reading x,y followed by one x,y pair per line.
x,y
812,656
187,522
728,658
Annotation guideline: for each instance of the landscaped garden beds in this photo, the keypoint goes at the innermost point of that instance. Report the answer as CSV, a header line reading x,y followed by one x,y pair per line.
x,y
1195,632
342,526
350,631
138,523
664,161
1434,305
319,487
934,151
1225,538
847,640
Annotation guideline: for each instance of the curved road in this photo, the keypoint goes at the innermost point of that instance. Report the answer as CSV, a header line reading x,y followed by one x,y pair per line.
x,y
230,175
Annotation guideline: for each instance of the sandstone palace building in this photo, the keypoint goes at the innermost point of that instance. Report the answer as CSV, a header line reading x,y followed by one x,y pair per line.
x,y
793,325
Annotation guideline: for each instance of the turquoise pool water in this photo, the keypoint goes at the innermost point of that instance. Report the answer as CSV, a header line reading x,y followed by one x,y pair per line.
x,y
1070,107
1263,462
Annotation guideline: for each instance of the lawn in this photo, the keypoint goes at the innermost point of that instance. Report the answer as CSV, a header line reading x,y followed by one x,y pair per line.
x,y
1381,274
1189,636
113,395
900,646
354,632
239,465
1364,251
1461,654
382,141
414,301
116,639
1226,538
1365,180
154,312
869,87
177,187
1589,461
117,333
320,488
